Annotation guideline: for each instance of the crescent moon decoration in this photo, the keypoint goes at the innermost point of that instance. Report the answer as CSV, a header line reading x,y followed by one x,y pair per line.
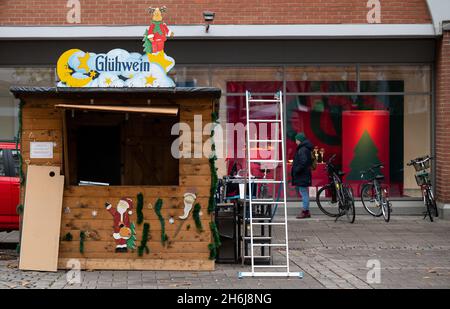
x,y
65,72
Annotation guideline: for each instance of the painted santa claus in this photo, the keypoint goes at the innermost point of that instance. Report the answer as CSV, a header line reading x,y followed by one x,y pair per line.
x,y
158,30
122,229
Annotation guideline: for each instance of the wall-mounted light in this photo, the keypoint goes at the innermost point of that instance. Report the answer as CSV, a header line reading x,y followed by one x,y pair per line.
x,y
208,16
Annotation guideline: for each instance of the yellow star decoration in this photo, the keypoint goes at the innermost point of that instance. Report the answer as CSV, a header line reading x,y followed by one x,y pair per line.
x,y
149,80
160,59
92,74
108,81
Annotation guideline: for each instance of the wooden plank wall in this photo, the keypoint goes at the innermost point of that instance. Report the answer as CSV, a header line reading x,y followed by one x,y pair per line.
x,y
189,250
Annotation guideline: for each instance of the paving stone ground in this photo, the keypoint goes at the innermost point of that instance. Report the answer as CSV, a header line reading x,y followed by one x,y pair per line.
x,y
410,252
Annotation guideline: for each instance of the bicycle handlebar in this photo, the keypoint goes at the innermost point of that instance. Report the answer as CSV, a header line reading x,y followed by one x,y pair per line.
x,y
331,159
371,169
420,160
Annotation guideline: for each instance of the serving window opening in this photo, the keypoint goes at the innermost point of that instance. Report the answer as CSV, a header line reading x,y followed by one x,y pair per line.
x,y
120,149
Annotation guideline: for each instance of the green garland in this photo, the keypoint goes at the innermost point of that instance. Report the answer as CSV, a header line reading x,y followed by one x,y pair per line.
x,y
215,117
143,247
212,167
196,216
140,206
213,188
18,140
216,244
158,206
82,239
68,237
212,251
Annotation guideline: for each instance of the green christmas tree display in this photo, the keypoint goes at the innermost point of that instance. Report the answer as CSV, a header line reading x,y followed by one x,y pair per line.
x,y
131,242
147,44
365,157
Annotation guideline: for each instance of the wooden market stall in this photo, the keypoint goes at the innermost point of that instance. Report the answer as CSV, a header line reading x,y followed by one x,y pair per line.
x,y
124,200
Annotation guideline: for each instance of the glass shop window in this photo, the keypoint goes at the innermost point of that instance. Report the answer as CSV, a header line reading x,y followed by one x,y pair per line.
x,y
116,149
9,123
16,162
382,116
2,164
363,130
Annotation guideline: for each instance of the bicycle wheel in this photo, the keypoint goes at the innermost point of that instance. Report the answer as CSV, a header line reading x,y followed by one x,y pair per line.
x,y
349,203
327,201
369,200
431,205
386,209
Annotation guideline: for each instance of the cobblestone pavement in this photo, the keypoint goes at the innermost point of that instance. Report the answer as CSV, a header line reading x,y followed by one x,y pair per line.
x,y
412,253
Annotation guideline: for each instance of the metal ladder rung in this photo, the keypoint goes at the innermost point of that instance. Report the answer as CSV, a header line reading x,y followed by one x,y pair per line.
x,y
269,245
271,274
257,257
265,181
258,218
262,100
258,238
264,120
270,266
265,141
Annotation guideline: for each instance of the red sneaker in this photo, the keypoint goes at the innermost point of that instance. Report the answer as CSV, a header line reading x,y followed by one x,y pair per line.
x,y
305,214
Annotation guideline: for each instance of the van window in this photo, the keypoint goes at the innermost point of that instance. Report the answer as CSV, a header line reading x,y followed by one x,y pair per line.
x,y
2,163
15,156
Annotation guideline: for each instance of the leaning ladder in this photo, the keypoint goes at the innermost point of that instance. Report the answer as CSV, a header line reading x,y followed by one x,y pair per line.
x,y
264,270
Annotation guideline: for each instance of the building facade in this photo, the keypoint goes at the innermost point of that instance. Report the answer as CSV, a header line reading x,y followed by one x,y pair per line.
x,y
366,80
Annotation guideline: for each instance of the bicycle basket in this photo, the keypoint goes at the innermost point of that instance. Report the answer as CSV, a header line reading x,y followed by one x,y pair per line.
x,y
420,166
422,179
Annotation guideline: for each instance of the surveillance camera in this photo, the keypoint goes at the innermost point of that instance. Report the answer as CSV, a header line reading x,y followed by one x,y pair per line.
x,y
208,16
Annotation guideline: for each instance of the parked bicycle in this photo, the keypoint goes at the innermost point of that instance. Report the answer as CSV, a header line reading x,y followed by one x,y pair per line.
x,y
423,179
336,198
373,197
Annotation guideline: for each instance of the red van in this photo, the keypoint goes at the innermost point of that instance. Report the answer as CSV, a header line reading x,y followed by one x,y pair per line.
x,y
9,186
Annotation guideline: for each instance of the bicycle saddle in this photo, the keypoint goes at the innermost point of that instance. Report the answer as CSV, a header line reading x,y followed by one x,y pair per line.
x,y
379,177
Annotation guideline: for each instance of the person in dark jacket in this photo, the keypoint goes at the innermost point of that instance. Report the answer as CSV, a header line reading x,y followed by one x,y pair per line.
x,y
301,171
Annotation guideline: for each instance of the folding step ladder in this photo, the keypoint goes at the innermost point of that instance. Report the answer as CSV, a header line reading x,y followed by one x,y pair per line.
x,y
256,241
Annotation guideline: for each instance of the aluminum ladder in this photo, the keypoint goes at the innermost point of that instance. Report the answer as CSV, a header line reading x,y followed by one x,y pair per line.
x,y
278,140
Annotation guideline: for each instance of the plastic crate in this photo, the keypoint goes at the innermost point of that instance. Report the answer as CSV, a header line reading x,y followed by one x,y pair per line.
x,y
422,179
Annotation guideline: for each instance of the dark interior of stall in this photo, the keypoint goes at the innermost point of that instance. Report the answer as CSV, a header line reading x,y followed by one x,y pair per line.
x,y
116,148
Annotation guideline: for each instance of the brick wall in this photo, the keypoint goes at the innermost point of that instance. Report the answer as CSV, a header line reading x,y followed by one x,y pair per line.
x,y
128,12
443,119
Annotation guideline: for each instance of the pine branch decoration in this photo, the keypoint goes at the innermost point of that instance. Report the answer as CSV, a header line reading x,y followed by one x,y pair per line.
x,y
196,216
82,239
139,207
158,206
143,247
